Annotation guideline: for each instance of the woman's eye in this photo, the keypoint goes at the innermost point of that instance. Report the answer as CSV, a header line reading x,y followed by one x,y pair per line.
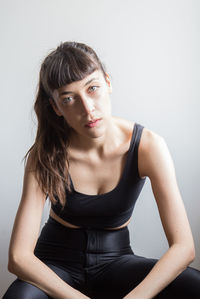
x,y
67,100
93,88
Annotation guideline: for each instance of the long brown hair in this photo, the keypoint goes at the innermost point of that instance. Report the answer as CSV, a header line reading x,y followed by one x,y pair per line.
x,y
70,62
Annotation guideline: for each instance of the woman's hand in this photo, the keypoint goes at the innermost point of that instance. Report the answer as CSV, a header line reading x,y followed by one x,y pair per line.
x,y
132,296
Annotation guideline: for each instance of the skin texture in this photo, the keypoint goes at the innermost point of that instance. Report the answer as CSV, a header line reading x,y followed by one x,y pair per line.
x,y
105,143
86,102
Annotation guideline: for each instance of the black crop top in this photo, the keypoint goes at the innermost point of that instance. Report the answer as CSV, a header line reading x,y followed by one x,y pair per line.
x,y
111,209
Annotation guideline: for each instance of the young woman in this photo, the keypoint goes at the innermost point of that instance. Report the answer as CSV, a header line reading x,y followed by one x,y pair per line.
x,y
92,166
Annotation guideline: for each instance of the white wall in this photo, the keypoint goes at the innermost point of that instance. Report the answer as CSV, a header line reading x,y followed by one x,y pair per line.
x,y
151,48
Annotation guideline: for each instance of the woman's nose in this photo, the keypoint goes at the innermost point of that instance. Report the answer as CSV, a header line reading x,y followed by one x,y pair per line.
x,y
87,104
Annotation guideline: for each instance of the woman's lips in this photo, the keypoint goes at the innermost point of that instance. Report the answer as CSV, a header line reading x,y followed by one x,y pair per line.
x,y
93,124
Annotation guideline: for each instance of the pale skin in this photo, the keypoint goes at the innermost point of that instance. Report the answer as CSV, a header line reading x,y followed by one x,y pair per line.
x,y
103,147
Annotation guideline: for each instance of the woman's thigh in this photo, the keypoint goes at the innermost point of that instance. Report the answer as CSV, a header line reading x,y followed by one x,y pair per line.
x,y
20,289
121,276
24,290
186,286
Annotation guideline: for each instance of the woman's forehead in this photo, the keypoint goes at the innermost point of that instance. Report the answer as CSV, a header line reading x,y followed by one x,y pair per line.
x,y
94,76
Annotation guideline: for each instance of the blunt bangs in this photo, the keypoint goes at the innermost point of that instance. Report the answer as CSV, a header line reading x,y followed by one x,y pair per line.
x,y
68,66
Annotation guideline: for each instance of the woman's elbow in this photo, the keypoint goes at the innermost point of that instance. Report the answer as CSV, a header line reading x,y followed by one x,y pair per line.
x,y
13,263
191,254
16,262
184,253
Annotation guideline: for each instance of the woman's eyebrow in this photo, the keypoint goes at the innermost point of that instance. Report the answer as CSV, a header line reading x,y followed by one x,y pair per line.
x,y
87,83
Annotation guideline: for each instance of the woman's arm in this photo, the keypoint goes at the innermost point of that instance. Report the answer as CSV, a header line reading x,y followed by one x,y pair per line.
x,y
22,261
155,162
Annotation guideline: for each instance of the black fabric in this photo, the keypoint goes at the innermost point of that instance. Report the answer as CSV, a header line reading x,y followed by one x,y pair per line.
x,y
99,263
111,209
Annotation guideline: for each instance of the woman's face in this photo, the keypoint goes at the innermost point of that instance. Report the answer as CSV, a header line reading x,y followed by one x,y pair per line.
x,y
83,101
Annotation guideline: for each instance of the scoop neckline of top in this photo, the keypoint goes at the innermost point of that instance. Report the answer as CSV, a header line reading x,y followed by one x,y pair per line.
x,y
122,176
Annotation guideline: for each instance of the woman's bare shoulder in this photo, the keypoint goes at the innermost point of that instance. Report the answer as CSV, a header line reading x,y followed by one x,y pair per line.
x,y
31,186
126,128
124,124
30,162
148,136
150,139
153,153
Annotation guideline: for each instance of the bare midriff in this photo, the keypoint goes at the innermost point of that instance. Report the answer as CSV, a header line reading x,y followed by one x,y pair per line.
x,y
67,224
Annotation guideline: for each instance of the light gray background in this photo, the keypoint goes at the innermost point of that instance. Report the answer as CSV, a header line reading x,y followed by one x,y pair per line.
x,y
151,49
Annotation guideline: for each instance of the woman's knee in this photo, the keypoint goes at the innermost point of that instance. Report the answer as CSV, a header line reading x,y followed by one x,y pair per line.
x,y
185,286
24,290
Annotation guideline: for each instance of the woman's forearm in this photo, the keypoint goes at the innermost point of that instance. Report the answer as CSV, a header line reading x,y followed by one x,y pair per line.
x,y
30,269
168,267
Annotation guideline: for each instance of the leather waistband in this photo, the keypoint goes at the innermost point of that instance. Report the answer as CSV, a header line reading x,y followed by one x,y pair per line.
x,y
97,240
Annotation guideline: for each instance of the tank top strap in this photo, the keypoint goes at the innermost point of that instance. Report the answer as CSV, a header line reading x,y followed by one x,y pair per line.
x,y
133,155
136,137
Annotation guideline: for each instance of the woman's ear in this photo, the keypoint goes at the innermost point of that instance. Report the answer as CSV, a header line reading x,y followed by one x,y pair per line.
x,y
54,106
108,82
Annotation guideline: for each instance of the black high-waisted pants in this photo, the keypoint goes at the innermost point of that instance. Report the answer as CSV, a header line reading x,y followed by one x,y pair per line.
x,y
99,263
